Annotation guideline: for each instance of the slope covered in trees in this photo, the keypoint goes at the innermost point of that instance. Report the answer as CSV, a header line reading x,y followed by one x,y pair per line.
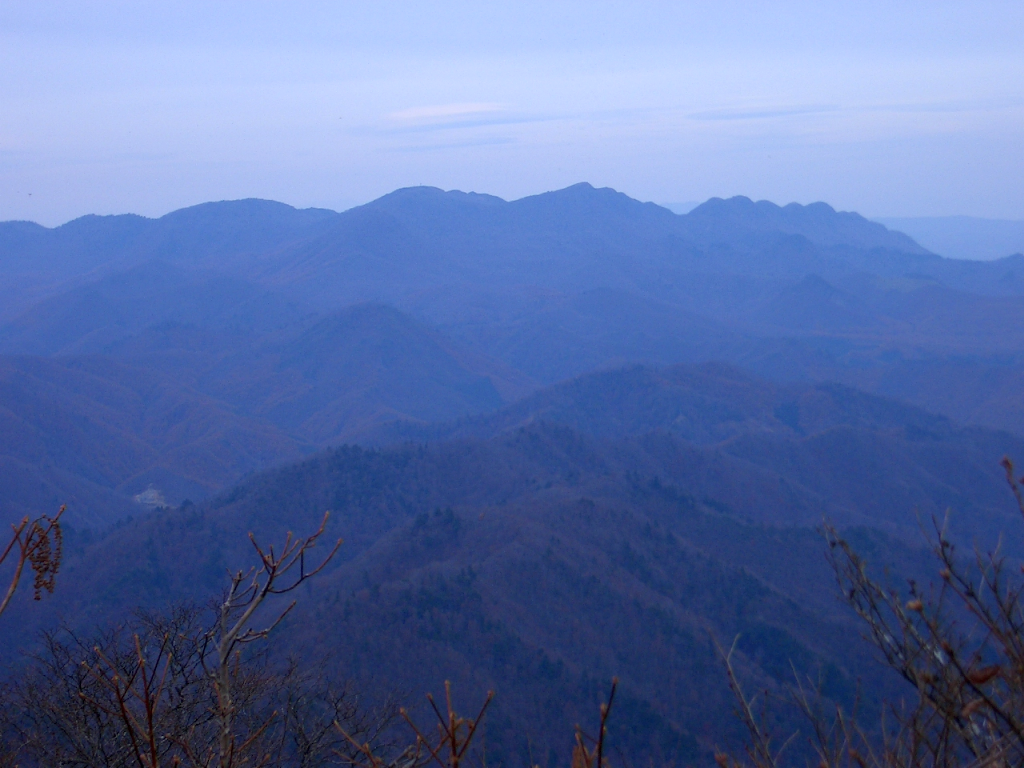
x,y
545,495
188,409
607,529
256,318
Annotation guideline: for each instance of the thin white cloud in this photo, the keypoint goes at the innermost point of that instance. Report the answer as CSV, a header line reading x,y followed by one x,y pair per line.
x,y
482,142
760,114
444,112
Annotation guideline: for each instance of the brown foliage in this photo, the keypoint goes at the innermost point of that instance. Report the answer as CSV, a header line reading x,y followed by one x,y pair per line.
x,y
37,543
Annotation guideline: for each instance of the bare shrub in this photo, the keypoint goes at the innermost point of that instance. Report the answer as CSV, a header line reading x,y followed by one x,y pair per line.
x,y
588,751
174,689
448,749
61,712
958,644
453,737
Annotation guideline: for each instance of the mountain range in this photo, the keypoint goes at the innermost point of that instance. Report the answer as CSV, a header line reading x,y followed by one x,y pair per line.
x,y
564,437
306,328
615,524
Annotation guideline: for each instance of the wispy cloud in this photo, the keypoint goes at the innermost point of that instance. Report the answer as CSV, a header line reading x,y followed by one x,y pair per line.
x,y
764,113
444,112
445,117
768,113
483,142
455,124
974,105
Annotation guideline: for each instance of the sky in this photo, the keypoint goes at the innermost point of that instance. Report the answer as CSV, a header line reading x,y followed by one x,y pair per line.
x,y
887,108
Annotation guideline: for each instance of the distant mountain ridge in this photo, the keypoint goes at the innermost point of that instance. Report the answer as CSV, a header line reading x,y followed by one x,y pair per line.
x,y
38,262
90,318
704,404
820,223
197,233
565,437
776,428
576,238
190,408
218,235
425,305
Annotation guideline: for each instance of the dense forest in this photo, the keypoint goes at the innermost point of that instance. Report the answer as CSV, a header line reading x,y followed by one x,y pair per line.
x,y
563,440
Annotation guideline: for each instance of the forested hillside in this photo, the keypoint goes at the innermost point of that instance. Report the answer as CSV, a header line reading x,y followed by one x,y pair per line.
x,y
564,438
311,328
612,525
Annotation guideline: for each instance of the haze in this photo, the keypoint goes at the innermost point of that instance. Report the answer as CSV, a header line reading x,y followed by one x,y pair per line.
x,y
916,110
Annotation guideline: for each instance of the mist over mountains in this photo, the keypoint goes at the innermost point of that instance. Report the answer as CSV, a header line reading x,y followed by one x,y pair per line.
x,y
571,405
963,237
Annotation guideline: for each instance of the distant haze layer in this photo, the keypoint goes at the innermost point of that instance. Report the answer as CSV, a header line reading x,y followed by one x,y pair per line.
x,y
963,237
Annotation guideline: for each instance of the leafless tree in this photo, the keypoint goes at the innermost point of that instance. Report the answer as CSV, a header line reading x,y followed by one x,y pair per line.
x,y
316,713
165,690
277,574
588,752
958,644
449,744
59,711
449,748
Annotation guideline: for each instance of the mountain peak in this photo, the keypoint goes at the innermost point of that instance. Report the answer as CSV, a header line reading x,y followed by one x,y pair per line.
x,y
247,205
408,197
818,222
585,199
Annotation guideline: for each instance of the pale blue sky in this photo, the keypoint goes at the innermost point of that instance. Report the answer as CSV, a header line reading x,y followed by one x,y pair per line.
x,y
889,108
